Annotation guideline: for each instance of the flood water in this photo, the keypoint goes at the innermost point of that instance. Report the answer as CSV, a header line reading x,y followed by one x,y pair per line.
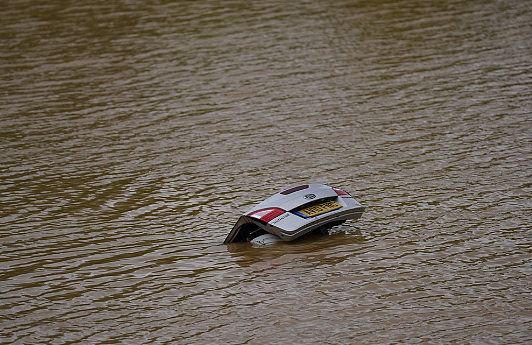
x,y
133,134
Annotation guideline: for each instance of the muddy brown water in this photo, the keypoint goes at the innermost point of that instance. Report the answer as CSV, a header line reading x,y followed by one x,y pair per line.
x,y
134,134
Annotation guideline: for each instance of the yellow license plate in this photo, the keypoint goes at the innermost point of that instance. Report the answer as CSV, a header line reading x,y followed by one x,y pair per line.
x,y
319,209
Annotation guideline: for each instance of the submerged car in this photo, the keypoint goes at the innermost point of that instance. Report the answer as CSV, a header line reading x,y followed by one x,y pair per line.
x,y
294,212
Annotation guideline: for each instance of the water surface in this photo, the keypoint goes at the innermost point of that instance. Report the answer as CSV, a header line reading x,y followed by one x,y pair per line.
x,y
134,134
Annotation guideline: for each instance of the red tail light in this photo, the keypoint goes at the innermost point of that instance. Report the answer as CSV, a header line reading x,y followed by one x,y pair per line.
x,y
340,192
267,214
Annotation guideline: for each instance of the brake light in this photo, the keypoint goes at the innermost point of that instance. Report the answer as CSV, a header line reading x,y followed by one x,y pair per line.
x,y
267,214
340,192
294,189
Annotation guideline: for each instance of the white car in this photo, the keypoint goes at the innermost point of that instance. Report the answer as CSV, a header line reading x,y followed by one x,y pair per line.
x,y
295,212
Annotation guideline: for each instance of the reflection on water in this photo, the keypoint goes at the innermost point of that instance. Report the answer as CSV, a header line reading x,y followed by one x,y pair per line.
x,y
133,135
